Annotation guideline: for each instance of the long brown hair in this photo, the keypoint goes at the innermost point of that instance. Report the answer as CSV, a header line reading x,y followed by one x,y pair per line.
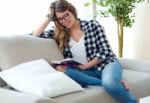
x,y
61,33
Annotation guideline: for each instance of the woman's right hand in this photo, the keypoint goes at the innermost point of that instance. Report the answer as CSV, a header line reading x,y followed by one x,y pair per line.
x,y
61,68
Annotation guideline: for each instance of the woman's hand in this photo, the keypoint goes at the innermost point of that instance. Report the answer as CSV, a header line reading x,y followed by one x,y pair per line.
x,y
90,64
82,67
61,68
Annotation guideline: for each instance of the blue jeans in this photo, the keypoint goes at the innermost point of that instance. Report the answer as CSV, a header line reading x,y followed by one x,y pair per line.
x,y
109,78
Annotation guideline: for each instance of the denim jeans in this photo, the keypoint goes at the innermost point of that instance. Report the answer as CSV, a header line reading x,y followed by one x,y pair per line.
x,y
109,78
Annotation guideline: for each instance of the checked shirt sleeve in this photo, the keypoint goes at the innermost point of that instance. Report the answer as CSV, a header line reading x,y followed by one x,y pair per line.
x,y
47,34
104,51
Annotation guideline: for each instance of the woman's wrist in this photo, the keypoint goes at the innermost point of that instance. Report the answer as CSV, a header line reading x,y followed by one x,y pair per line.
x,y
49,17
90,64
83,66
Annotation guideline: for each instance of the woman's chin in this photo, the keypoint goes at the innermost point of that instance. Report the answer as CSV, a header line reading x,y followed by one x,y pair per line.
x,y
68,26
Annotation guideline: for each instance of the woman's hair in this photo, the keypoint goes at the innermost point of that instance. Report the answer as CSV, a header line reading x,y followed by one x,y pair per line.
x,y
61,33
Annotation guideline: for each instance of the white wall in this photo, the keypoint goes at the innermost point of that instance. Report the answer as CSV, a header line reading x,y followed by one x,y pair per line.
x,y
22,16
141,39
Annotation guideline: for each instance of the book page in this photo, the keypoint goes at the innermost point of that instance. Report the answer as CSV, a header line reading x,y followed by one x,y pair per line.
x,y
59,62
67,61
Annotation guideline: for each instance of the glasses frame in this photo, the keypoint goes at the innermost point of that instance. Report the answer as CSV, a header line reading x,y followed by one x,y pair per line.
x,y
65,17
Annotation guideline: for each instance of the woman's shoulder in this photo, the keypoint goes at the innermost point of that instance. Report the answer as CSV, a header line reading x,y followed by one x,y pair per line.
x,y
89,22
49,33
86,21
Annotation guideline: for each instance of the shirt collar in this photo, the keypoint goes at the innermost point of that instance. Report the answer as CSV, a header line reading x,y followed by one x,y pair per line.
x,y
82,24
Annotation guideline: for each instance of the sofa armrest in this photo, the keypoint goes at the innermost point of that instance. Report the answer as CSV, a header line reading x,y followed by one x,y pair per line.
x,y
9,96
136,65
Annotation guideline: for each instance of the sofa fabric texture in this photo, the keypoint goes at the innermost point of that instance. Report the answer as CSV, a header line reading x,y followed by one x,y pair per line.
x,y
18,49
9,96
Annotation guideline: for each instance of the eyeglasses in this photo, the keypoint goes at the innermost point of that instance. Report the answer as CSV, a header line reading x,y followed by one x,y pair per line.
x,y
64,18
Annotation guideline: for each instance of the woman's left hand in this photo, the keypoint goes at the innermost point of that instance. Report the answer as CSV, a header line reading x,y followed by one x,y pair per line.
x,y
89,64
82,67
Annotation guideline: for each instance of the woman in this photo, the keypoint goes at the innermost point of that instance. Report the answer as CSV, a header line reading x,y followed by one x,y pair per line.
x,y
85,42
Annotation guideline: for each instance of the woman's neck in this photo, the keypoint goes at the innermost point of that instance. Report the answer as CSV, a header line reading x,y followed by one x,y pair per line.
x,y
76,25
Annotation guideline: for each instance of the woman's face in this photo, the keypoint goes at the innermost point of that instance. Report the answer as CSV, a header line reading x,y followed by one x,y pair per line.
x,y
66,18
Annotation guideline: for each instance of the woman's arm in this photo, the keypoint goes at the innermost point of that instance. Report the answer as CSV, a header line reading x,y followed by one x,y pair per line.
x,y
40,29
103,49
90,64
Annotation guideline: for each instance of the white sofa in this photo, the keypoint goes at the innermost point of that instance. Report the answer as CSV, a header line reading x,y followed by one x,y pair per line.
x,y
18,49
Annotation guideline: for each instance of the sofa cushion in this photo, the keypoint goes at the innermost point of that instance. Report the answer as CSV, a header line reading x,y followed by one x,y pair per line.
x,y
39,78
2,82
8,96
93,94
138,81
22,48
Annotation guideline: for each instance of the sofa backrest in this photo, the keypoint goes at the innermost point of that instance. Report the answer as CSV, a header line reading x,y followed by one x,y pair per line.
x,y
136,65
23,48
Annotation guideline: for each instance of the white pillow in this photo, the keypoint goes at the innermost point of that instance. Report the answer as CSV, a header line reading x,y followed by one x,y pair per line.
x,y
38,77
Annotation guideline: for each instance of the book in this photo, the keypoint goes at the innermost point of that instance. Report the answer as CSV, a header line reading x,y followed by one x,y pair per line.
x,y
66,62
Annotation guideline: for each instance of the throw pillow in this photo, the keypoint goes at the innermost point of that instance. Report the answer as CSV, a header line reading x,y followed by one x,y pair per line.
x,y
38,77
22,48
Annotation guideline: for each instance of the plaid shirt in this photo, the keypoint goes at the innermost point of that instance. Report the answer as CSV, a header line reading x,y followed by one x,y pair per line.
x,y
96,43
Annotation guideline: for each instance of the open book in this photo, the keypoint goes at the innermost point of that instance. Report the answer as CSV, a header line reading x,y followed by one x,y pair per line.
x,y
66,62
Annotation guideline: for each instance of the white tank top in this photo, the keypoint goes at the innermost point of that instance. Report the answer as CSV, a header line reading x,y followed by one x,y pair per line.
x,y
78,50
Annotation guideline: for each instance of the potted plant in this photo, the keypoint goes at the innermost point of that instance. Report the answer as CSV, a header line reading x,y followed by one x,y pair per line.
x,y
121,10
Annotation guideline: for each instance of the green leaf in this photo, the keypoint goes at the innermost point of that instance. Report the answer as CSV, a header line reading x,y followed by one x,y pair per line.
x,y
87,4
119,9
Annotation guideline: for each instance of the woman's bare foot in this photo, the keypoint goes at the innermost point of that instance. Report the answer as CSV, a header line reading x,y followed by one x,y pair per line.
x,y
126,86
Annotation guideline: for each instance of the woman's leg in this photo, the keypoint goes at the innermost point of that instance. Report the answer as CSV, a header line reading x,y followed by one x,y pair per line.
x,y
81,77
111,81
